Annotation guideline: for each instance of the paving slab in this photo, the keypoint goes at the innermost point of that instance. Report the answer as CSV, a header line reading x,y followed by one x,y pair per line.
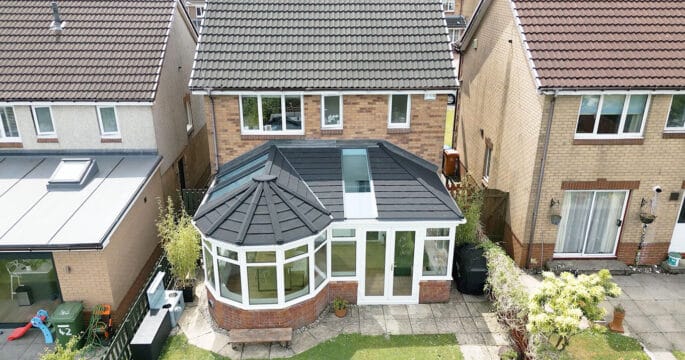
x,y
424,326
654,341
419,311
303,341
277,351
677,339
468,325
651,307
371,327
640,324
477,352
470,339
399,327
667,323
212,341
474,298
448,325
255,351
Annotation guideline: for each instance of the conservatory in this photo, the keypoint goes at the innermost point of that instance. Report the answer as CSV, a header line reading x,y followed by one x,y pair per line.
x,y
290,225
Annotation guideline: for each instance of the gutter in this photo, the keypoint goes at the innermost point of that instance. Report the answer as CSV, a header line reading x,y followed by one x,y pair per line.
x,y
541,175
216,145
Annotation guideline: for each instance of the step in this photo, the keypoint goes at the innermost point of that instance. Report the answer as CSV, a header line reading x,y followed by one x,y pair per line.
x,y
586,266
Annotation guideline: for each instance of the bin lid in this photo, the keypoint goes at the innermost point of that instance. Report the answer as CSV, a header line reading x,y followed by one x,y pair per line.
x,y
67,312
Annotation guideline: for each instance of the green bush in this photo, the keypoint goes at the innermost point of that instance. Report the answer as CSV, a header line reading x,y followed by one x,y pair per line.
x,y
67,351
180,241
470,201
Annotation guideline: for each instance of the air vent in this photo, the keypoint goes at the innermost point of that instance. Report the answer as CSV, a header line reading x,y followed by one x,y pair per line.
x,y
72,174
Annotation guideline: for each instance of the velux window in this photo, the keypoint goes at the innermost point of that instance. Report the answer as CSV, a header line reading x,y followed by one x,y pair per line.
x,y
676,116
8,124
611,116
271,114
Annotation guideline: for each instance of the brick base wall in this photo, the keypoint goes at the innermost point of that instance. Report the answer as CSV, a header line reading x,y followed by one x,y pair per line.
x,y
434,291
345,289
653,253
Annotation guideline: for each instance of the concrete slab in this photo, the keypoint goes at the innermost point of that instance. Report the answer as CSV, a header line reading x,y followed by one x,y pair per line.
x,y
277,351
651,307
256,351
474,298
449,325
212,341
303,342
419,311
424,326
468,325
640,324
470,339
588,266
399,327
677,339
667,323
371,327
479,308
477,352
655,341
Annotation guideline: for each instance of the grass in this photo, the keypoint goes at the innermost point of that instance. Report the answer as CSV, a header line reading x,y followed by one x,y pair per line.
x,y
679,355
352,346
600,345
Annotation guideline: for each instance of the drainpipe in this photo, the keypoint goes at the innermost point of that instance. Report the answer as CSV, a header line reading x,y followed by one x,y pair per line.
x,y
216,145
541,175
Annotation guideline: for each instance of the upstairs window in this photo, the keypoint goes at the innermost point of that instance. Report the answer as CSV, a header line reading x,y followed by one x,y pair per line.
x,y
399,111
455,34
8,124
447,5
42,118
676,116
331,112
107,118
487,161
189,114
271,114
611,116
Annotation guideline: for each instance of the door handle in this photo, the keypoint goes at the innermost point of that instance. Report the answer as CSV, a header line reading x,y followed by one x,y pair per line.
x,y
619,222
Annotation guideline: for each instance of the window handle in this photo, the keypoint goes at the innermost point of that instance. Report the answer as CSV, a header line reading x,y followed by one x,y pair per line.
x,y
619,222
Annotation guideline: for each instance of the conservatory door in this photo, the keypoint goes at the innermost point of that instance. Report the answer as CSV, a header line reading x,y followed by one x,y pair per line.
x,y
389,264
591,222
678,238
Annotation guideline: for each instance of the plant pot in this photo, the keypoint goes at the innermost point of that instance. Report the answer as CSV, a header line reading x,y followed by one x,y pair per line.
x,y
646,218
188,294
616,324
341,312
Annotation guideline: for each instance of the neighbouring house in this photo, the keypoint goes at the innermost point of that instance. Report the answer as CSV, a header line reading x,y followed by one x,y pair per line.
x,y
360,98
196,11
578,113
97,123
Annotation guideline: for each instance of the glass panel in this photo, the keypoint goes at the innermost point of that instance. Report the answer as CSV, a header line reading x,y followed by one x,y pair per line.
x,y
588,112
355,170
442,232
398,110
250,113
229,278
374,279
261,281
344,258
575,215
331,112
320,265
109,120
435,255
404,263
676,117
9,123
44,120
320,240
261,256
296,275
681,217
293,113
28,283
609,119
635,113
271,113
608,210
246,166
209,268
230,186
296,251
227,253
344,233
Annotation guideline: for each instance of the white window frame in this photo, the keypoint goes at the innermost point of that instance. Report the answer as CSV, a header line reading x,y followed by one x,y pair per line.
x,y
487,163
448,5
111,134
352,239
283,131
40,134
620,134
323,112
405,125
3,131
450,250
673,129
189,114
456,31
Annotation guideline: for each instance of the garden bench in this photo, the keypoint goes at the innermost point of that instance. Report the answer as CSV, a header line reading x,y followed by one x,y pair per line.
x,y
253,336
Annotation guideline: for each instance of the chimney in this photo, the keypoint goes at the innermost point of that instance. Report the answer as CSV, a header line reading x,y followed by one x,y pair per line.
x,y
57,23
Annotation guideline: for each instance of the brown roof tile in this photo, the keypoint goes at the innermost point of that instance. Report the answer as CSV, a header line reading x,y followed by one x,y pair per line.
x,y
107,51
605,43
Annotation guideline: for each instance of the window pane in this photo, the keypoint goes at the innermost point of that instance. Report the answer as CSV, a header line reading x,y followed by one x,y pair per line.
x,y
9,123
44,120
261,257
271,113
235,183
229,277
261,281
250,113
608,209
237,171
29,283
588,111
296,251
320,240
227,253
331,113
343,258
109,121
398,110
575,212
676,117
209,268
293,113
435,256
320,265
355,170
343,233
296,276
635,113
610,118
444,232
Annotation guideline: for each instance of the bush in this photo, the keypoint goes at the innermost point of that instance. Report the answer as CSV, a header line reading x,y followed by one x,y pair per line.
x,y
67,351
180,241
470,201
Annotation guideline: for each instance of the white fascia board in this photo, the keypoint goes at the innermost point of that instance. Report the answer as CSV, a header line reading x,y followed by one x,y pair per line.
x,y
79,103
611,92
325,92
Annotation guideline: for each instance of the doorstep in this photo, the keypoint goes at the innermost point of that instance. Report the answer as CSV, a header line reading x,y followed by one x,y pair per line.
x,y
586,266
680,269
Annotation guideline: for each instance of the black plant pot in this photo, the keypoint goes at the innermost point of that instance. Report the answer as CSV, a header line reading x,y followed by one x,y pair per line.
x,y
470,269
187,294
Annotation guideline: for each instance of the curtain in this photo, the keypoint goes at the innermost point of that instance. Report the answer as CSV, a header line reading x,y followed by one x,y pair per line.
x,y
575,214
604,224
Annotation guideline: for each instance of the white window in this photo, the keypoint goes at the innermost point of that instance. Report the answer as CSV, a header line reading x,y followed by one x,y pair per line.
x,y
199,12
42,118
189,114
676,116
331,112
486,163
455,34
271,114
612,116
8,124
436,252
448,5
399,113
109,125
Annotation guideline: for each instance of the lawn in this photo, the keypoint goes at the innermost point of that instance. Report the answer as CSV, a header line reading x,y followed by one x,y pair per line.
x,y
352,346
596,345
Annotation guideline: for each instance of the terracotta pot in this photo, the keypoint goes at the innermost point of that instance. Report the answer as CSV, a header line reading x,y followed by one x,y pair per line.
x,y
616,324
341,312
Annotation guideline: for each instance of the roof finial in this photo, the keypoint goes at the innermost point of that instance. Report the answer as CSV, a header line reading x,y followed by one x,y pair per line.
x,y
57,23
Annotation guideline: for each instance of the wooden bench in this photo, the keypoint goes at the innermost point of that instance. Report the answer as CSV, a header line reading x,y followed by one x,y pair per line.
x,y
253,336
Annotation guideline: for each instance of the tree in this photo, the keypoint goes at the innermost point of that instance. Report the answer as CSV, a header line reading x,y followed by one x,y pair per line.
x,y
180,241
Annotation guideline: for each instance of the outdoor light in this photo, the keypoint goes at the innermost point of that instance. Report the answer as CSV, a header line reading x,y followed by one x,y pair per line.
x,y
554,216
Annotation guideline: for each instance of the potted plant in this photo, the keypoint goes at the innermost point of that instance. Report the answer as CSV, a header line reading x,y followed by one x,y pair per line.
x,y
647,218
340,306
616,324
181,244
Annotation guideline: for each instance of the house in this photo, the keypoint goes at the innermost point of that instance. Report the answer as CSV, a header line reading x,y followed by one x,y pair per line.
x,y
97,124
577,113
196,10
353,107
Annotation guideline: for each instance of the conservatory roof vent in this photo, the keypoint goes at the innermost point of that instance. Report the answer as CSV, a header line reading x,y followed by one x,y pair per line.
x,y
72,174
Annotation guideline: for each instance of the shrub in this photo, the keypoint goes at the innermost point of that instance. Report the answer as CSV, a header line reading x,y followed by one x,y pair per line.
x,y
67,351
180,241
470,201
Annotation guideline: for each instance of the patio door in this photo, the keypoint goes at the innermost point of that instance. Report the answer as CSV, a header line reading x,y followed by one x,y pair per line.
x,y
678,238
591,223
389,267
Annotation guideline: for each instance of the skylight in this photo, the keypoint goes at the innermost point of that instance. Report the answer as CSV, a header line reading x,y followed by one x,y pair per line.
x,y
72,173
235,178
355,169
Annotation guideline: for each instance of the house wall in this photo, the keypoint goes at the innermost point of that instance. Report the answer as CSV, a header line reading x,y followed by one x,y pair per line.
x,y
364,117
83,276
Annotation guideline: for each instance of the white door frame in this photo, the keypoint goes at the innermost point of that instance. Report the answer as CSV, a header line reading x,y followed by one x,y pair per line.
x,y
678,236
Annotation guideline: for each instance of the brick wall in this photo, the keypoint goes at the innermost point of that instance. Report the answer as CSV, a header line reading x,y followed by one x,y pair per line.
x,y
345,289
434,291
364,117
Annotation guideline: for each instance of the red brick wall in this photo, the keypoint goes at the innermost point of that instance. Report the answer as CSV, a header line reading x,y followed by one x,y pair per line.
x,y
652,253
345,289
434,291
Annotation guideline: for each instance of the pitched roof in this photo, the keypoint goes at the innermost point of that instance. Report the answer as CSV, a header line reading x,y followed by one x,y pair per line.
x,y
107,50
323,44
604,44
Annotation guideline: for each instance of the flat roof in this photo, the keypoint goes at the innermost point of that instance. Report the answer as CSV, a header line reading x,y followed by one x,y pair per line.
x,y
34,217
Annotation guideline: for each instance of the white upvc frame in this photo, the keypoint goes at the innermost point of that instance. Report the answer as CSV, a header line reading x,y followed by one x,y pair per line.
x,y
323,112
487,163
673,129
587,230
404,125
352,239
448,5
187,103
3,131
624,112
261,131
201,13
40,134
451,235
110,134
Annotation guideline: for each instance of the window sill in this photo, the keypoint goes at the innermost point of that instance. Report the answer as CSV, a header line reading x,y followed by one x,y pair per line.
x,y
331,131
270,136
47,140
673,135
399,130
11,145
639,141
106,140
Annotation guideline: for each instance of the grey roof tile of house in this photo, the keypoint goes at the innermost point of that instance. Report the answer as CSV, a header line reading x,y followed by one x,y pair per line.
x,y
106,51
323,44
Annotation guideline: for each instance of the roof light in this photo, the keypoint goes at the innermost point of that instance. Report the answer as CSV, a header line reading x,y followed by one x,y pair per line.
x,y
72,173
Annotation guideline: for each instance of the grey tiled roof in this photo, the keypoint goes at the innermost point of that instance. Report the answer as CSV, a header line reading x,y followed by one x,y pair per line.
x,y
323,44
107,50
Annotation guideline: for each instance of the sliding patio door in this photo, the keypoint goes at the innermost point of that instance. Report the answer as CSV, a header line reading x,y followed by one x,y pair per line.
x,y
591,223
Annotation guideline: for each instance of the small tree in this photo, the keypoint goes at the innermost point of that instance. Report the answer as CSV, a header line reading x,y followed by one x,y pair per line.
x,y
180,241
558,307
470,201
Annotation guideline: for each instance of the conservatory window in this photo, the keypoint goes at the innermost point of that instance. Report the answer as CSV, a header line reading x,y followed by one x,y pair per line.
x,y
209,266
320,264
229,276
296,276
343,258
436,252
262,280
